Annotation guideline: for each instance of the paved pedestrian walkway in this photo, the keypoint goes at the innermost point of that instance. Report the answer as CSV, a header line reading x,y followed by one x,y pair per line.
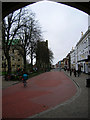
x,y
76,107
6,84
43,92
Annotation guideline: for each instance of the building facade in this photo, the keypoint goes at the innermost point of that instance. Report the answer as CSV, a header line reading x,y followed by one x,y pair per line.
x,y
16,60
80,56
72,56
42,55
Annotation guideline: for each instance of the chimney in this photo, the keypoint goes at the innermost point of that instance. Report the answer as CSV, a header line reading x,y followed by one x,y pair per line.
x,y
81,33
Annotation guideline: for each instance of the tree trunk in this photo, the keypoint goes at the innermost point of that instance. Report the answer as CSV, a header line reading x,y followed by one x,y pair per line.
x,y
31,59
9,64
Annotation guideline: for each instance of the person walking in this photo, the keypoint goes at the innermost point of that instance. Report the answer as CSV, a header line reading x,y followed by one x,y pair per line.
x,y
70,72
78,72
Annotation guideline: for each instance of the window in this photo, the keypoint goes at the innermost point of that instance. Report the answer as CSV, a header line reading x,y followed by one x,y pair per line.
x,y
2,65
18,59
13,65
13,50
12,58
18,65
89,51
2,57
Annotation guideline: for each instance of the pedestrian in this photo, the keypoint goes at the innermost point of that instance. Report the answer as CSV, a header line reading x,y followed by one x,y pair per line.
x,y
60,68
74,72
70,72
78,72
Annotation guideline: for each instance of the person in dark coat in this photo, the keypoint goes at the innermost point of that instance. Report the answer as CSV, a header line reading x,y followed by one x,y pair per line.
x,y
78,72
70,72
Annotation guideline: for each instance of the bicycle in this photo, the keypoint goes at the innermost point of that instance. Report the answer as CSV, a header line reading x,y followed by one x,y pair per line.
x,y
24,78
25,84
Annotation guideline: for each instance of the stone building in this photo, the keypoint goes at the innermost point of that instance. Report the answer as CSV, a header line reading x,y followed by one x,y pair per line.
x,y
16,60
42,53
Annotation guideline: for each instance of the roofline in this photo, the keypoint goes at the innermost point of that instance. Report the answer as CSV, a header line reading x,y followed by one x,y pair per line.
x,y
86,33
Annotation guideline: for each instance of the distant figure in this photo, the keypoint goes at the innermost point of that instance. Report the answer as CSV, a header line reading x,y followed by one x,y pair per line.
x,y
70,72
59,68
78,71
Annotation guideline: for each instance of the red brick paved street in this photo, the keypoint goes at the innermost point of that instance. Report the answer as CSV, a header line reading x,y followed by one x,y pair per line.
x,y
42,92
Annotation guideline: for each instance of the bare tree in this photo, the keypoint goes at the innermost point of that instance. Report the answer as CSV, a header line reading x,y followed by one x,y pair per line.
x,y
28,36
11,24
36,35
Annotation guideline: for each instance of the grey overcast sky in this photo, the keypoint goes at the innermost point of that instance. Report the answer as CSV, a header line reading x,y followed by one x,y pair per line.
x,y
62,25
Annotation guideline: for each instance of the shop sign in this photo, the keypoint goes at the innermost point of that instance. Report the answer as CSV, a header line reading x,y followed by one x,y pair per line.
x,y
86,62
83,56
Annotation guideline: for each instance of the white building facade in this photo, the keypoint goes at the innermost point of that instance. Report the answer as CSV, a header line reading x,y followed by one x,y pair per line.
x,y
81,54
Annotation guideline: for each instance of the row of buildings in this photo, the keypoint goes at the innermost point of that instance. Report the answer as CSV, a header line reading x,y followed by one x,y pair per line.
x,y
79,57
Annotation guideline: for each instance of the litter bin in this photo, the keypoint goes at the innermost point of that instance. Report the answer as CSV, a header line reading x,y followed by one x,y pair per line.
x,y
88,79
88,82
